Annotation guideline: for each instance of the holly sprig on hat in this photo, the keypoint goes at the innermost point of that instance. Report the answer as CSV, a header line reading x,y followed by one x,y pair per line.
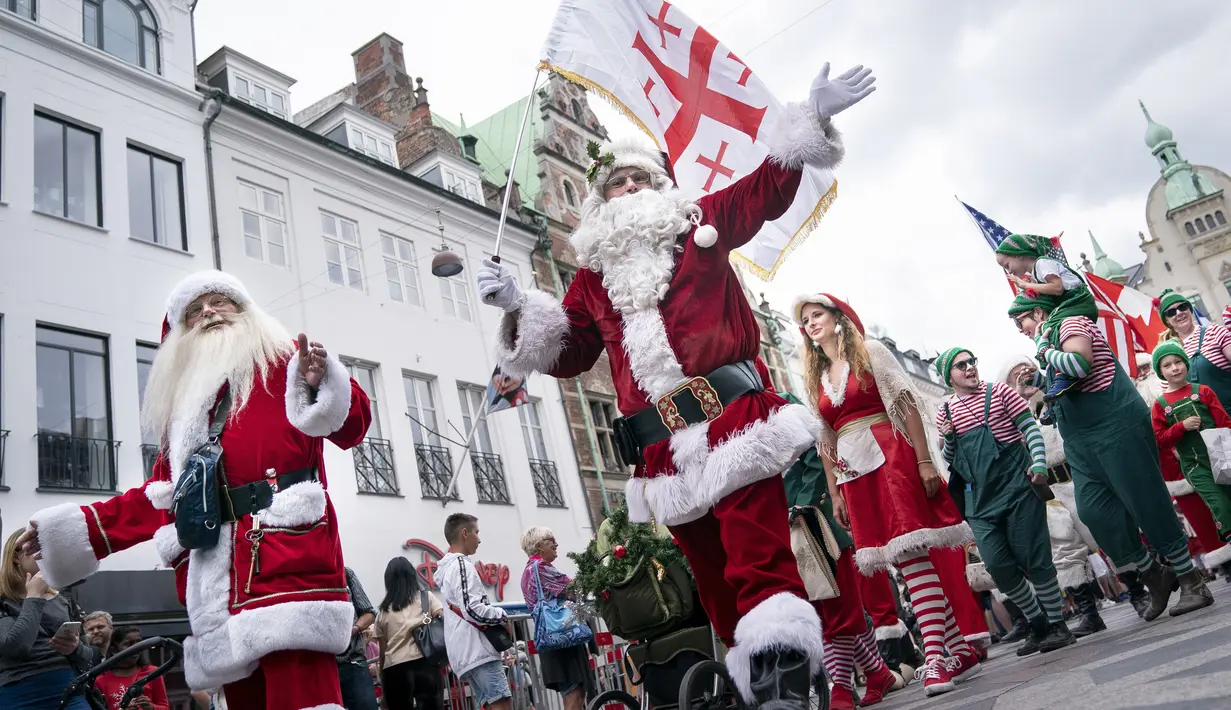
x,y
598,161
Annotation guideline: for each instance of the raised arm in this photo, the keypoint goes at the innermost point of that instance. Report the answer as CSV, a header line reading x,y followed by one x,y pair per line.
x,y
323,400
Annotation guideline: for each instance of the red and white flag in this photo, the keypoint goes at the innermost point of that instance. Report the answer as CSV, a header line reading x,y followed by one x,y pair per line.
x,y
699,102
1128,318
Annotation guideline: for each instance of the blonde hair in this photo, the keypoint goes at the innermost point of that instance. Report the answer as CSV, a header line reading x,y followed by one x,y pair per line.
x,y
850,349
12,579
533,538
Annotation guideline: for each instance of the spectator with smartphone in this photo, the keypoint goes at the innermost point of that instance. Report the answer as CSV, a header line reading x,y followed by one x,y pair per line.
x,y
40,639
114,683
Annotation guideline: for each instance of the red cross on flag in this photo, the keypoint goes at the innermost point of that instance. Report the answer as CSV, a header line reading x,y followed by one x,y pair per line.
x,y
1128,318
699,102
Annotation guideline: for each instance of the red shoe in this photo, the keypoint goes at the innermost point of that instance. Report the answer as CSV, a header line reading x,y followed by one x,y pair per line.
x,y
963,665
982,651
841,698
936,678
879,685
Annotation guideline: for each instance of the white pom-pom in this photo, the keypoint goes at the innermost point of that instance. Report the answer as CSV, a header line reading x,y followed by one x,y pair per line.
x,y
705,236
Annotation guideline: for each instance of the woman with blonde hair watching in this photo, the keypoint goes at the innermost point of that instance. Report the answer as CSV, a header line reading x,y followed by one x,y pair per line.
x,y
37,659
565,669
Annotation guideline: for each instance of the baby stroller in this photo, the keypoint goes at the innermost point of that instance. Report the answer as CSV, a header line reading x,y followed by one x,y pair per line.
x,y
84,683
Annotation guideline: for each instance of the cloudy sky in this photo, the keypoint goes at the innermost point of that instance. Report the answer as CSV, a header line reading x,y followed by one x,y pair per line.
x,y
1026,110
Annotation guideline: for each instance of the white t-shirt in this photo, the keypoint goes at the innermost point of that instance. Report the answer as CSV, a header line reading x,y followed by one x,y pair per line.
x,y
1050,267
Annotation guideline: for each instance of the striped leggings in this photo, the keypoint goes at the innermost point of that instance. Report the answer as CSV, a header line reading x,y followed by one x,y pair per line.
x,y
842,652
932,609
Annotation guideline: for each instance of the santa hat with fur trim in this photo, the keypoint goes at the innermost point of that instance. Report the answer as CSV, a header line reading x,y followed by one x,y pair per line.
x,y
196,285
828,301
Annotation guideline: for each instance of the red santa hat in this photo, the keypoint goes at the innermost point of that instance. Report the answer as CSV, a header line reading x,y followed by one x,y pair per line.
x,y
828,301
635,153
196,285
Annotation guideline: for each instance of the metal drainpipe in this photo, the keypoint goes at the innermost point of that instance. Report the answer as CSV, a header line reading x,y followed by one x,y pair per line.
x,y
215,103
558,288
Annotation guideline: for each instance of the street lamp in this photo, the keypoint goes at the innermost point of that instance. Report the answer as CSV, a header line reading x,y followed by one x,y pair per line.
x,y
446,263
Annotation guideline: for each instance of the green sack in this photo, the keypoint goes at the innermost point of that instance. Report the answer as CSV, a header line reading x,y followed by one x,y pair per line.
x,y
642,606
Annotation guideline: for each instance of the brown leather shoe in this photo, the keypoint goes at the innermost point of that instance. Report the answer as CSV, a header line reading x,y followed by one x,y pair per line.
x,y
1159,579
1194,594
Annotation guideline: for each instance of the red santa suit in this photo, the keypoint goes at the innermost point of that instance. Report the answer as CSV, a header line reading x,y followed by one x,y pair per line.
x,y
267,616
1195,511
716,484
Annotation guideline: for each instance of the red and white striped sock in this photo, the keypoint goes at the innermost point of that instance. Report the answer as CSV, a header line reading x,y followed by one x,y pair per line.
x,y
954,638
868,658
839,660
931,607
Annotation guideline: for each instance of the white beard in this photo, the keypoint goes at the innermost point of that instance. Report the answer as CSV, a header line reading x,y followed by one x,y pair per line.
x,y
631,241
191,366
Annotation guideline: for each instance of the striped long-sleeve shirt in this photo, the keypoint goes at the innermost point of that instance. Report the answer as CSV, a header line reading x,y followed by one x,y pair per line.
x,y
1009,418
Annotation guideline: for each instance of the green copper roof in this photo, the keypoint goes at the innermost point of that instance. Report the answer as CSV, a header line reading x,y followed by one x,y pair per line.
x,y
1184,184
1156,133
497,135
1104,265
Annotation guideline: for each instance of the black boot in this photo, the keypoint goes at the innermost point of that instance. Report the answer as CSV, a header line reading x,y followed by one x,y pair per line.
x,y
1021,625
1194,594
782,678
1225,571
1160,580
1037,631
1137,594
1058,636
1088,619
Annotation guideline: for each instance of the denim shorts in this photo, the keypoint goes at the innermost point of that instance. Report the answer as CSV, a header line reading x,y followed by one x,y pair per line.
x,y
488,682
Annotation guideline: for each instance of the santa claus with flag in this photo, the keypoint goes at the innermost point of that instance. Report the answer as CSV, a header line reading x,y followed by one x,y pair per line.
x,y
709,436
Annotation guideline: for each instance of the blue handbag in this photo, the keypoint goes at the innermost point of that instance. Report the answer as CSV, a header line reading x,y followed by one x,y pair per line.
x,y
555,625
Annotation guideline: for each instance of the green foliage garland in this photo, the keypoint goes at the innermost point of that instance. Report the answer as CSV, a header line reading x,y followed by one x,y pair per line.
x,y
599,571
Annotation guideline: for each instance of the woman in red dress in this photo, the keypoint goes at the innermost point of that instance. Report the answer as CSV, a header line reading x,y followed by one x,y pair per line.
x,y
881,476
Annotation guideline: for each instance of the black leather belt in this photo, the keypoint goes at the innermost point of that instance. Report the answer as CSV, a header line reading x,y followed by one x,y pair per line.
x,y
259,495
1059,473
700,399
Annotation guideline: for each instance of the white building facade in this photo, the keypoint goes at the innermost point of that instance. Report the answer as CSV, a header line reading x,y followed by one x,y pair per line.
x,y
108,197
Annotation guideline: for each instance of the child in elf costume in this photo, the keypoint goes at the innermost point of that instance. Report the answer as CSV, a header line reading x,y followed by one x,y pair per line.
x,y
1183,410
1021,254
995,452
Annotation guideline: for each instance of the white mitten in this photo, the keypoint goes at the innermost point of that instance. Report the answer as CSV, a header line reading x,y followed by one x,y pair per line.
x,y
496,281
829,98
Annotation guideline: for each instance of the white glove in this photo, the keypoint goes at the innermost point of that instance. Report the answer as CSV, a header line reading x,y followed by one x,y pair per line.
x,y
496,281
829,98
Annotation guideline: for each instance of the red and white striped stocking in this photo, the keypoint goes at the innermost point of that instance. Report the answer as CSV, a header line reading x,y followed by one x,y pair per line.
x,y
839,660
932,609
866,655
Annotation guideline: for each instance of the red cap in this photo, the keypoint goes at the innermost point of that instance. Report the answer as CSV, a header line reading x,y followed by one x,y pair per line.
x,y
829,301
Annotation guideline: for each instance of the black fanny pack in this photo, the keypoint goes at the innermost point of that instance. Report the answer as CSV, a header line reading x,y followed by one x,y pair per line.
x,y
700,399
197,501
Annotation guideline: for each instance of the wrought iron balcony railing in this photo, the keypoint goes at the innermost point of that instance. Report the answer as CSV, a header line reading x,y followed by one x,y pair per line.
x,y
435,470
149,454
546,484
489,478
76,463
374,471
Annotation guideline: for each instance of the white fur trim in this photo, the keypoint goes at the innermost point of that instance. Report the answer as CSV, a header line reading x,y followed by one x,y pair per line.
x,y
874,559
782,622
196,285
226,647
1071,576
1059,522
1218,557
328,413
976,638
160,494
799,137
328,706
761,450
629,153
300,504
541,325
1180,488
884,633
64,536
650,358
705,236
837,396
804,299
167,542
1053,443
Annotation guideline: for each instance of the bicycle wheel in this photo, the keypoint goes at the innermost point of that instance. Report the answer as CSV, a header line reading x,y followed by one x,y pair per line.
x,y
612,700
818,699
708,686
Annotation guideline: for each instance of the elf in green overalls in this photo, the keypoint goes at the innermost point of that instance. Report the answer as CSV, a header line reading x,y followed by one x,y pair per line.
x,y
1111,452
1184,409
995,451
1208,346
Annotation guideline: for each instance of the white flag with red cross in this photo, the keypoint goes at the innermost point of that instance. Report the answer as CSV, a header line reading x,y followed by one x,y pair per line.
x,y
1129,319
700,103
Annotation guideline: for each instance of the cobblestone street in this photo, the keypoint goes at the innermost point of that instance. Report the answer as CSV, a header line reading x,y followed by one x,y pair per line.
x,y
1170,663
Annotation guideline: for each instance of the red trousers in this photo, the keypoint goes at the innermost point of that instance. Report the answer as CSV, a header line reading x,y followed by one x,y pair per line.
x,y
880,600
1199,516
843,615
289,680
950,564
740,553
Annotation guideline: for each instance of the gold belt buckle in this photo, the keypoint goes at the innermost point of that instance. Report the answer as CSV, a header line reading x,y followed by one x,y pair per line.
x,y
702,391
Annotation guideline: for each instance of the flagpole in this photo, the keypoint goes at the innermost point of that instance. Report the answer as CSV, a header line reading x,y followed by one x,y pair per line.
x,y
508,185
1012,286
444,501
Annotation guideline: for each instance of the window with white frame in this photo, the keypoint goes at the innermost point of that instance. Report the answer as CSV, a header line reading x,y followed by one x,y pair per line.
x,y
125,29
365,374
421,408
263,219
455,295
603,414
67,172
462,185
532,430
26,8
155,198
401,269
370,145
260,96
342,256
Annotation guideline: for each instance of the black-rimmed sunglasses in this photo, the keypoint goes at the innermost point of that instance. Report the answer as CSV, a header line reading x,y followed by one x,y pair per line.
x,y
1176,309
967,364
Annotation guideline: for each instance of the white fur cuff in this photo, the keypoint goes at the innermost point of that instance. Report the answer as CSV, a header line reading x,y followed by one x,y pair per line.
x,y
64,536
800,138
541,326
782,622
884,633
160,494
1070,576
301,504
1218,557
167,542
1180,488
874,559
328,413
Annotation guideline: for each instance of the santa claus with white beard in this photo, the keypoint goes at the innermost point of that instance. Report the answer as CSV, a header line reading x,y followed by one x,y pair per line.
x,y
709,436
268,602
